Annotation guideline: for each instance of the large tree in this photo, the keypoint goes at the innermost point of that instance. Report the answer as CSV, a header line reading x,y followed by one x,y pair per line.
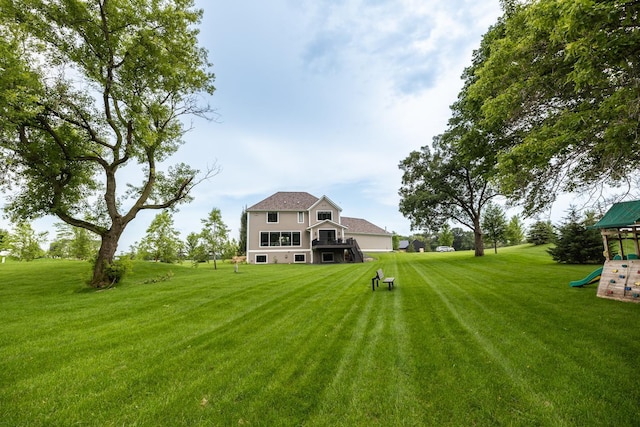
x,y
441,184
88,87
558,87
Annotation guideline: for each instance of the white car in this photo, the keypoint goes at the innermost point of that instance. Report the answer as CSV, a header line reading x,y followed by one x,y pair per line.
x,y
445,249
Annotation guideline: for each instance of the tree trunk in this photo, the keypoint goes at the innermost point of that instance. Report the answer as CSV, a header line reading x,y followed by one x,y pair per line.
x,y
477,234
106,253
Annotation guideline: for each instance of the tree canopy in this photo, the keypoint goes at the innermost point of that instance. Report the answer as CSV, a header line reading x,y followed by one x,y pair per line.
x,y
557,87
88,88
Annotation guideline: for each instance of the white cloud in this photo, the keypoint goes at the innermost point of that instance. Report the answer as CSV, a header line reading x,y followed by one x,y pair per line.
x,y
324,96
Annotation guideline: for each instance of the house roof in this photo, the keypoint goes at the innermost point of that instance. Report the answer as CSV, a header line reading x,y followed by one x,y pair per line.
x,y
325,223
286,201
361,226
621,214
328,200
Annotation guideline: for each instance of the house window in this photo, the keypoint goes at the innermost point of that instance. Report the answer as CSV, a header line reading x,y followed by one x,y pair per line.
x,y
285,238
327,257
272,216
280,238
300,217
299,258
261,259
322,215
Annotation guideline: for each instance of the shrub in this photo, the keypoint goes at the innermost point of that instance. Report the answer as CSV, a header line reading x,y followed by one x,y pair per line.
x,y
117,269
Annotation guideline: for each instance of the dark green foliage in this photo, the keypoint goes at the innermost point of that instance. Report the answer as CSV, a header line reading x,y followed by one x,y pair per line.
x,y
117,269
494,224
577,244
242,242
541,233
462,239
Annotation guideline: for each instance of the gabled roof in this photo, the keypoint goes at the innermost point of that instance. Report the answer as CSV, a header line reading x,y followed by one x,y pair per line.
x,y
328,200
325,223
286,201
620,215
362,226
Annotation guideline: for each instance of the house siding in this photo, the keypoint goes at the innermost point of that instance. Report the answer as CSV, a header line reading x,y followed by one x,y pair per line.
x,y
371,239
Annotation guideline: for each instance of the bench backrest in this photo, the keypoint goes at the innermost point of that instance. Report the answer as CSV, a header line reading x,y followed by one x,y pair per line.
x,y
380,274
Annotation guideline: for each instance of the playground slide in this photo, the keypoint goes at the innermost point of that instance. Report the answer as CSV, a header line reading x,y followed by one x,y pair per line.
x,y
591,278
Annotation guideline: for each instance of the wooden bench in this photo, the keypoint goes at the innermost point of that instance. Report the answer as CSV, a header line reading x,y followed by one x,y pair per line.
x,y
375,281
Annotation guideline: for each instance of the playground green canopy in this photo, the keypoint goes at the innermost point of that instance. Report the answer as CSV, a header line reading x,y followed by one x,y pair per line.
x,y
621,214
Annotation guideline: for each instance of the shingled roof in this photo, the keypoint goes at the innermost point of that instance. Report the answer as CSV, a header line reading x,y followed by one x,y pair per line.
x,y
286,201
362,226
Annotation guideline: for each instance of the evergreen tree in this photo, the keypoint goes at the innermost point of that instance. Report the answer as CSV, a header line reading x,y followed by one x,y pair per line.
x,y
242,241
577,244
541,233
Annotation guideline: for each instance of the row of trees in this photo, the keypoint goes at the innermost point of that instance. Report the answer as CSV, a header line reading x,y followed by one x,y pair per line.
x,y
549,105
161,243
574,241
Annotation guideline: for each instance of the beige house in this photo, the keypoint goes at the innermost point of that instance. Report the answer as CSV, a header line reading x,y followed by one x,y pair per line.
x,y
297,227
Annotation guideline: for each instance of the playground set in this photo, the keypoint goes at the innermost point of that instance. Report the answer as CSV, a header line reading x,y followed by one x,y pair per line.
x,y
619,278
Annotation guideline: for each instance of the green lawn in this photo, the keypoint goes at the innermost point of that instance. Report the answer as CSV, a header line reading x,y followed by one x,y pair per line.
x,y
498,340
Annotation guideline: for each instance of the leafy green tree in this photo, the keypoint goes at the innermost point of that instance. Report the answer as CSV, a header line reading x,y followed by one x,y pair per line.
x,y
556,83
73,242
24,243
229,249
494,224
196,250
541,233
162,241
215,234
445,238
462,239
577,244
88,88
514,233
443,184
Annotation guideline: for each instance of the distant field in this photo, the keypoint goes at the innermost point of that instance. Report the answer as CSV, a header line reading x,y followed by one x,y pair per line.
x,y
498,340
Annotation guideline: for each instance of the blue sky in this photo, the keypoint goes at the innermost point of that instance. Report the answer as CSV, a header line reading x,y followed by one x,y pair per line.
x,y
323,96
326,96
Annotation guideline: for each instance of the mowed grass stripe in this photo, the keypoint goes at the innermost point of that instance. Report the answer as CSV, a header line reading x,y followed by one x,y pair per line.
x,y
460,341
